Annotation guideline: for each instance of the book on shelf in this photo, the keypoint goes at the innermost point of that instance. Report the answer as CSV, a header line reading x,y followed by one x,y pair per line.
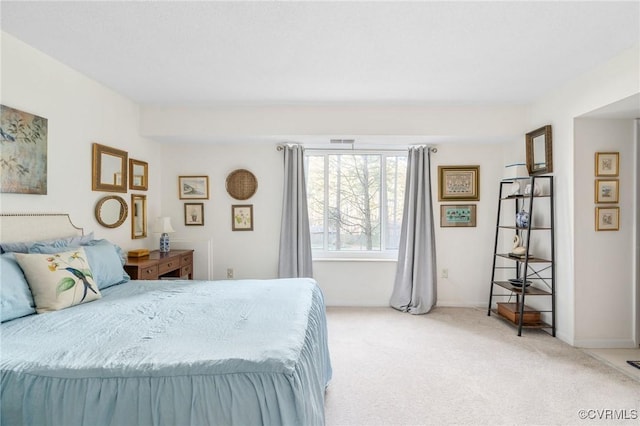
x,y
518,256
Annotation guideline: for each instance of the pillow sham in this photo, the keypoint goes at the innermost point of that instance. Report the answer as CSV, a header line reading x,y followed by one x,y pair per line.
x,y
15,297
104,258
106,263
60,280
60,243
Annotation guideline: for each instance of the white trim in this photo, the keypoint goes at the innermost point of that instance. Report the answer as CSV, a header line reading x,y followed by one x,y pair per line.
x,y
354,259
605,343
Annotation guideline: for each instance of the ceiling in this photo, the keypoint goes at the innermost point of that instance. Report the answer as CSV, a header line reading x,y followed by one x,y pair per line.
x,y
275,53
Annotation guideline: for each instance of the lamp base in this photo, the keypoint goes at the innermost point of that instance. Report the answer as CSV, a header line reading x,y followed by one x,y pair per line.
x,y
164,243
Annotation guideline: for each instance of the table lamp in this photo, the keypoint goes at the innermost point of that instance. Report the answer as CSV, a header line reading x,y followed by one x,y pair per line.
x,y
163,226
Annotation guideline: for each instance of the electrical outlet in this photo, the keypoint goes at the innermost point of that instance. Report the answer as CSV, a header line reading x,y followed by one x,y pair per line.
x,y
230,273
445,273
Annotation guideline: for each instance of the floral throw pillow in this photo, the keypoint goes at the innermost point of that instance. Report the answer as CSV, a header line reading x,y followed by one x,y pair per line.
x,y
59,280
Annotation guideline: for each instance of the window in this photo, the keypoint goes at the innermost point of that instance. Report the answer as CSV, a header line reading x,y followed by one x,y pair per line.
x,y
355,202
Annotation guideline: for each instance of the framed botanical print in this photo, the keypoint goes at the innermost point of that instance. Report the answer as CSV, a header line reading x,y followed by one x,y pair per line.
x,y
607,163
242,217
194,214
607,190
607,218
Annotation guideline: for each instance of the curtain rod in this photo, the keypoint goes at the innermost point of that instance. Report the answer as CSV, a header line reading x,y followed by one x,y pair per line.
x,y
432,149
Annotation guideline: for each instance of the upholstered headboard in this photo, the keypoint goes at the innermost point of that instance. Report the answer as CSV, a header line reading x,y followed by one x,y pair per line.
x,y
36,227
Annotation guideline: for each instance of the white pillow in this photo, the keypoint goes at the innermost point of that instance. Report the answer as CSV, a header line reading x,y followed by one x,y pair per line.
x,y
59,280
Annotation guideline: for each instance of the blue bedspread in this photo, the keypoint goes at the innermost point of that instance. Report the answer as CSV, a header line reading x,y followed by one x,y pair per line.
x,y
250,352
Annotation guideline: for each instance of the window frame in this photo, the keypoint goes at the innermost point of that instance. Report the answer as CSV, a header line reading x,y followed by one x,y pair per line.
x,y
355,255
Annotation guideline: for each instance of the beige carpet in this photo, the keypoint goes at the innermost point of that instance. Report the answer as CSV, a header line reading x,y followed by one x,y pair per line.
x,y
458,366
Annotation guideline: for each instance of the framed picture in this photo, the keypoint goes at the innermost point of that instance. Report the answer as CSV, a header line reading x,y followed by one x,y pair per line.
x,y
457,215
607,218
242,217
193,187
607,163
607,190
458,183
23,152
194,214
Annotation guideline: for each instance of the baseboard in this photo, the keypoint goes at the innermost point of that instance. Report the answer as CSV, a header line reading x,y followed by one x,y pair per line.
x,y
605,344
446,304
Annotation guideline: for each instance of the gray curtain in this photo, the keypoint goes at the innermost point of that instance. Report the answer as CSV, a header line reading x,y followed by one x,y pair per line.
x,y
295,238
414,290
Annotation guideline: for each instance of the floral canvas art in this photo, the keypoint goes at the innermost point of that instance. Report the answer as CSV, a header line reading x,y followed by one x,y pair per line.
x,y
23,152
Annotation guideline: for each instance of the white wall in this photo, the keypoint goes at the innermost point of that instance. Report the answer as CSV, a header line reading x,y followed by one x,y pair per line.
x,y
273,123
604,292
79,112
466,252
610,82
252,254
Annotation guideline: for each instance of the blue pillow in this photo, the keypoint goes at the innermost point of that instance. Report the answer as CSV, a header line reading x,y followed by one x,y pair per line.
x,y
15,297
104,259
59,243
121,253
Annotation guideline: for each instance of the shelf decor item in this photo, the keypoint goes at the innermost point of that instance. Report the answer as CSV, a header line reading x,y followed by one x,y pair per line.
x,y
518,249
522,219
511,311
535,191
163,227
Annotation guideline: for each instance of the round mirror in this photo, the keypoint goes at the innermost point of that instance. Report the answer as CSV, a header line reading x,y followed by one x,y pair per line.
x,y
111,211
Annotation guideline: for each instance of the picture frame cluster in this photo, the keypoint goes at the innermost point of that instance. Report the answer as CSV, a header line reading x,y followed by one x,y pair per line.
x,y
197,188
607,191
458,183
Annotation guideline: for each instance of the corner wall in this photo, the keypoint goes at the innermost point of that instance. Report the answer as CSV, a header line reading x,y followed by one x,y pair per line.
x,y
604,273
607,84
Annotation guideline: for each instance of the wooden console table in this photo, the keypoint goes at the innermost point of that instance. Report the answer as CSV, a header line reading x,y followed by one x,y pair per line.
x,y
175,264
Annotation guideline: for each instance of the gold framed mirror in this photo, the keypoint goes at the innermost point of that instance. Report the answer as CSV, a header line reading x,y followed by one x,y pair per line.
x,y
138,216
111,211
109,169
539,151
138,175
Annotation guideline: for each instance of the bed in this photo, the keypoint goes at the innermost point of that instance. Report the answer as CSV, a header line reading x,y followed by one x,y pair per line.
x,y
168,352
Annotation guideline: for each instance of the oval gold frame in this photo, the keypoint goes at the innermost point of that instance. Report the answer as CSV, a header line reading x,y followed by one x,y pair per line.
x,y
124,211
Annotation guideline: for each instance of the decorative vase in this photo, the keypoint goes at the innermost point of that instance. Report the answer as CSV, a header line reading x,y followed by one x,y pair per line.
x,y
164,243
522,219
514,189
536,190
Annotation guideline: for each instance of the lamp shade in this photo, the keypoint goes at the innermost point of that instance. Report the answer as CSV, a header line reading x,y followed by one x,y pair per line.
x,y
163,225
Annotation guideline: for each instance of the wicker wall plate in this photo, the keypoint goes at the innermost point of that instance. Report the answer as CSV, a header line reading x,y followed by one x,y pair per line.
x,y
241,184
